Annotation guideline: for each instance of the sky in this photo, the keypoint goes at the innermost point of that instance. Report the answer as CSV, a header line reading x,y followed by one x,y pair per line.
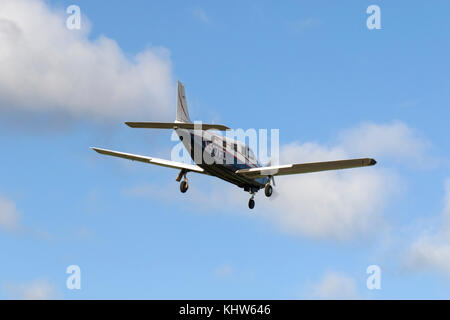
x,y
334,88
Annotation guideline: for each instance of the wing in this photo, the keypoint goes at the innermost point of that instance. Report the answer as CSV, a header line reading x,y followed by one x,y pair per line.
x,y
151,160
176,125
305,168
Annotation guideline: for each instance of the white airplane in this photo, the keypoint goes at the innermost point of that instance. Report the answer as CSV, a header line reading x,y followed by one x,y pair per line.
x,y
224,158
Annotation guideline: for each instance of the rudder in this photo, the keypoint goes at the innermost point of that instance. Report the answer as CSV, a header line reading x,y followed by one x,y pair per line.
x,y
182,108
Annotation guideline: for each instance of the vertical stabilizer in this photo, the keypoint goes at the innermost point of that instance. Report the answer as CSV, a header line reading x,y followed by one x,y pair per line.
x,y
182,108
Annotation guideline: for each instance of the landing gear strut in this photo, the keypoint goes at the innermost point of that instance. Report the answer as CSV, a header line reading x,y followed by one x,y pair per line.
x,y
184,185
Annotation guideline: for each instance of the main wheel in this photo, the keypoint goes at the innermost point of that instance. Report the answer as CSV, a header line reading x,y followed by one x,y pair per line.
x,y
184,186
268,190
251,203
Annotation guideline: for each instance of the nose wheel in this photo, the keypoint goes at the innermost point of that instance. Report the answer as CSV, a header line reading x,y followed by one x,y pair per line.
x,y
251,202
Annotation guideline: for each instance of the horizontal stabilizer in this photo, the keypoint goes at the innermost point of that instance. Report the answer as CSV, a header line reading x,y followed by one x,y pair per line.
x,y
151,160
305,168
176,125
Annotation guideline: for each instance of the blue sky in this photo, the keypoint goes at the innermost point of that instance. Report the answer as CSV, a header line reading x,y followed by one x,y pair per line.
x,y
311,69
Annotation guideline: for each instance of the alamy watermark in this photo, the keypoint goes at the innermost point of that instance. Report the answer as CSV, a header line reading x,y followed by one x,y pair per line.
x,y
374,280
73,281
73,22
374,20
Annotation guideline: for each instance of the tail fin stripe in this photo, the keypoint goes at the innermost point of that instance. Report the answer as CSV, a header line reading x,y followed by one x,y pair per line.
x,y
181,104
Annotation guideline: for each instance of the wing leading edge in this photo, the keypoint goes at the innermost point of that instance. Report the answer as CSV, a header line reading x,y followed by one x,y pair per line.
x,y
305,168
151,160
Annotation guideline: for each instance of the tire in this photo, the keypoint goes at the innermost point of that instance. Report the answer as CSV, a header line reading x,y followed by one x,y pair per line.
x,y
251,203
184,186
268,190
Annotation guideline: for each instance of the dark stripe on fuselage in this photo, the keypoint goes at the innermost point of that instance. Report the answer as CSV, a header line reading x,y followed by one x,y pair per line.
x,y
223,172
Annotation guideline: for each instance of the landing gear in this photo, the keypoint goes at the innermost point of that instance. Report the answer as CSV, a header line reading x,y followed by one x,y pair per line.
x,y
251,202
268,190
184,186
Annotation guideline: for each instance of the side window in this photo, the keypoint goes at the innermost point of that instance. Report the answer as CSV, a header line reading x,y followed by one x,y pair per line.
x,y
251,154
235,147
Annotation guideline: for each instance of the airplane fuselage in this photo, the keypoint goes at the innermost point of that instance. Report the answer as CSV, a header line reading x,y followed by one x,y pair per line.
x,y
222,157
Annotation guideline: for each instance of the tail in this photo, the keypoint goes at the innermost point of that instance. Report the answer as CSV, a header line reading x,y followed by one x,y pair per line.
x,y
182,108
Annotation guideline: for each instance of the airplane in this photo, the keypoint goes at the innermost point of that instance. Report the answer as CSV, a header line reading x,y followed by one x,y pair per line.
x,y
222,157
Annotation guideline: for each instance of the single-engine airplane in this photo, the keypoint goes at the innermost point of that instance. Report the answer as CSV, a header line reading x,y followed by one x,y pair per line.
x,y
224,158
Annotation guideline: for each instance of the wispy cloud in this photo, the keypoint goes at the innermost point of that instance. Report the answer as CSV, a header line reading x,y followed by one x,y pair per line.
x,y
224,271
200,15
301,25
10,221
9,215
409,103
40,289
431,251
333,285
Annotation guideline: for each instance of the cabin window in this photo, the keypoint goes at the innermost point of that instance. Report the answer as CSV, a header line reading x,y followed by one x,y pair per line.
x,y
251,155
235,147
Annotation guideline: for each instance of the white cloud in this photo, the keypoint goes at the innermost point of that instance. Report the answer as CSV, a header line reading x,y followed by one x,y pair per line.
x,y
9,215
36,290
343,204
10,220
334,286
430,253
391,140
45,67
201,15
432,249
337,205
